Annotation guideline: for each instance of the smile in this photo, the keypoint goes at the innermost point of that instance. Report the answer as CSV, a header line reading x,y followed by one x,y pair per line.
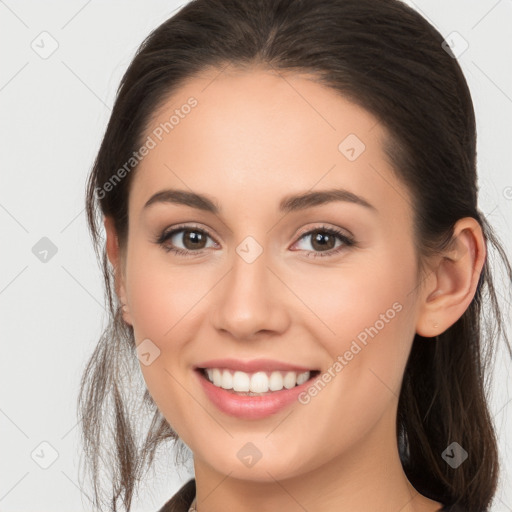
x,y
255,383
231,391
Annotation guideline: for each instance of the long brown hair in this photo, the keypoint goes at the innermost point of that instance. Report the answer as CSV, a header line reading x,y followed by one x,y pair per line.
x,y
385,57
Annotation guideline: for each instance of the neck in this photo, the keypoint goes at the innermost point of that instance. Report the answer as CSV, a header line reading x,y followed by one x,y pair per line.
x,y
367,477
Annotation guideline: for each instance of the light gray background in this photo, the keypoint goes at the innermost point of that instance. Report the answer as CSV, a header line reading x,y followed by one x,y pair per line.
x,y
53,115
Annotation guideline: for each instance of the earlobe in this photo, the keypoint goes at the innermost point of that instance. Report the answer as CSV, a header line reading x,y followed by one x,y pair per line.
x,y
453,280
113,254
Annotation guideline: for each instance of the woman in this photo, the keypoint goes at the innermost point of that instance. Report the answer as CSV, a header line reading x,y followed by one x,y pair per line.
x,y
296,262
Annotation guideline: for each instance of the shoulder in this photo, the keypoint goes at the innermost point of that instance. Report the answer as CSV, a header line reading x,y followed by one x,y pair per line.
x,y
182,500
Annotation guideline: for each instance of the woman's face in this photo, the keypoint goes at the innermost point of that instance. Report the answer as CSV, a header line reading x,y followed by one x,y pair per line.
x,y
251,287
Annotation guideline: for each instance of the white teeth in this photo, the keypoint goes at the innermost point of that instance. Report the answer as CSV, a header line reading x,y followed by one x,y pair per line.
x,y
227,380
217,377
276,381
241,381
302,377
259,382
290,380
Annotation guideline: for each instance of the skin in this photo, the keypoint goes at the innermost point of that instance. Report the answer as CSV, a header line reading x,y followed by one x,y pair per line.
x,y
255,137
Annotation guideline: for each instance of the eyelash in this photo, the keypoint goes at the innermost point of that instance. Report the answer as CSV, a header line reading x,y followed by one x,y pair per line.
x,y
347,241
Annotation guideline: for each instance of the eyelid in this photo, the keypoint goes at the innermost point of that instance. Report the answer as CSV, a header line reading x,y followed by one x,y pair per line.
x,y
166,233
299,234
347,240
324,226
342,234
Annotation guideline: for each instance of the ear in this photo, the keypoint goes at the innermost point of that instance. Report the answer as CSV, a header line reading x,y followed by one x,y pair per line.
x,y
114,256
451,284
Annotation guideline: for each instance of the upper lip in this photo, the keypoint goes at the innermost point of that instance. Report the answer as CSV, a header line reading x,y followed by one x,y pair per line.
x,y
253,365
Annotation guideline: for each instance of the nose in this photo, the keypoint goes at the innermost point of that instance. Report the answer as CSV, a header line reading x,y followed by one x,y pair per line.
x,y
251,300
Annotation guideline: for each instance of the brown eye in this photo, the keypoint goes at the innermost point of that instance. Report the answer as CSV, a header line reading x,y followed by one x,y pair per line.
x,y
320,240
323,241
192,240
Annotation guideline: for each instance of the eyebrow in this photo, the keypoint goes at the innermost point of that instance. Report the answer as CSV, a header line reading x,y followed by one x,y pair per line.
x,y
289,203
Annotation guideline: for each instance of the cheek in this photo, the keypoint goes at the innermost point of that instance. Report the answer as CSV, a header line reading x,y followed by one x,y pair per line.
x,y
163,301
354,296
162,296
364,313
364,320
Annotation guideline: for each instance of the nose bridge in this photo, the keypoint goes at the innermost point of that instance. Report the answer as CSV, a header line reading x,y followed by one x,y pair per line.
x,y
247,300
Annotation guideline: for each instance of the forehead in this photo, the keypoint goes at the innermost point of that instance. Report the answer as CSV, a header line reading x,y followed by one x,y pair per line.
x,y
244,135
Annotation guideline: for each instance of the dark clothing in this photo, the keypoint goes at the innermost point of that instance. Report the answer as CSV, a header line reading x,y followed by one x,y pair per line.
x,y
182,500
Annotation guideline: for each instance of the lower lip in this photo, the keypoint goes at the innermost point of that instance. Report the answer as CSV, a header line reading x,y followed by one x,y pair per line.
x,y
251,407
